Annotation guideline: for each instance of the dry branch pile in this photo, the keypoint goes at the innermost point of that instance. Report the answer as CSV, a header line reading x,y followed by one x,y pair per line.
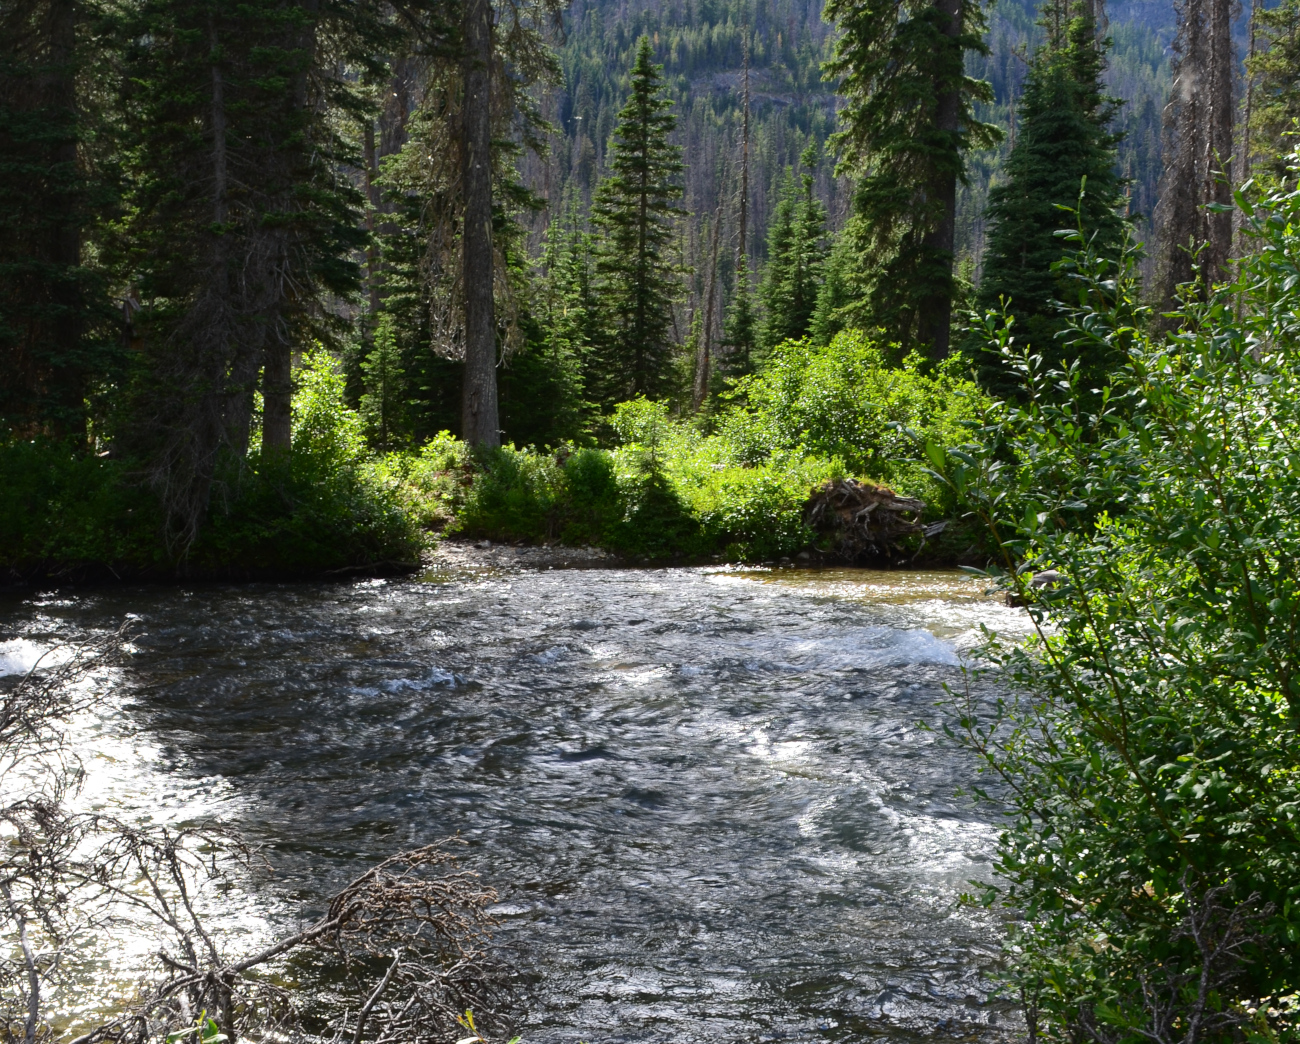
x,y
866,521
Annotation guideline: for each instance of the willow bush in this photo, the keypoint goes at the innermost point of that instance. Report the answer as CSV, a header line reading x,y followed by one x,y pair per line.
x,y
1149,742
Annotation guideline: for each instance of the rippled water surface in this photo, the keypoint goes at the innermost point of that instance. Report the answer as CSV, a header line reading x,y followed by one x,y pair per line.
x,y
704,796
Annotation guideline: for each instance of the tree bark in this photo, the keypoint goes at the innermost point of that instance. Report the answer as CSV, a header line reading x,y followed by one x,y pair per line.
x,y
68,378
744,160
934,319
1218,189
372,208
1198,146
704,359
480,425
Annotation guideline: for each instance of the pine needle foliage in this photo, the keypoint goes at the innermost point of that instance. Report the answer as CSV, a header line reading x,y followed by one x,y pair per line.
x,y
796,252
634,213
909,122
1064,143
1276,102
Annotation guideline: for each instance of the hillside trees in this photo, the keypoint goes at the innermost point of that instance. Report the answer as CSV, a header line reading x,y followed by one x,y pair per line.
x,y
796,251
908,124
1063,139
634,211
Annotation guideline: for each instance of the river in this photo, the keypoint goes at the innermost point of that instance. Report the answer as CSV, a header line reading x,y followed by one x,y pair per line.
x,y
704,796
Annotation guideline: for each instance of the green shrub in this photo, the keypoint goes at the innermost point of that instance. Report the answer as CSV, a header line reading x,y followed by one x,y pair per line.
x,y
1149,741
66,512
325,506
842,402
515,495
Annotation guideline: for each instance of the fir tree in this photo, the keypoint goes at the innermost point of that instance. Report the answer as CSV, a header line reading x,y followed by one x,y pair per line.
x,y
909,124
634,212
740,331
1063,138
796,253
840,291
383,402
1275,95
56,330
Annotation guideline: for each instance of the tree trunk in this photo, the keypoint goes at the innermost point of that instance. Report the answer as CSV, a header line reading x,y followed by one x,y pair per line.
x,y
704,358
372,208
935,309
277,351
479,422
68,377
1218,189
744,160
1198,145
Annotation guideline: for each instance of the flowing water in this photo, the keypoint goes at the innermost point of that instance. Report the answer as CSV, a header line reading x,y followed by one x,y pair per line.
x,y
705,797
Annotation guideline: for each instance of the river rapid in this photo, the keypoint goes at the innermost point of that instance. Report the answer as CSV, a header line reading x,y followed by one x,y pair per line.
x,y
704,796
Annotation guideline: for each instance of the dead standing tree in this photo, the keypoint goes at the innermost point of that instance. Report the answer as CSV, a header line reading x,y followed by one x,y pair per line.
x,y
1192,227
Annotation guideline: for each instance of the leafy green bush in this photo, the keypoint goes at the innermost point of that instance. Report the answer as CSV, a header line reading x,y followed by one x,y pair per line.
x,y
842,402
65,512
1149,745
327,505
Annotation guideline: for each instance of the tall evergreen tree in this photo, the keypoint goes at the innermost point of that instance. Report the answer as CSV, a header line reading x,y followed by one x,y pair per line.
x,y
908,124
1275,97
634,211
56,333
241,233
383,404
796,253
740,330
1063,138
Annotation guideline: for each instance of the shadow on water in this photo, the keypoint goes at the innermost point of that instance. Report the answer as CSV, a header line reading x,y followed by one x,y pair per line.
x,y
704,796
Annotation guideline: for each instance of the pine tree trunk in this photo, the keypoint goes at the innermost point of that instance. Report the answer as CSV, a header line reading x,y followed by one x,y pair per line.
x,y
67,379
935,309
744,158
372,208
277,365
479,422
1198,145
704,359
1219,144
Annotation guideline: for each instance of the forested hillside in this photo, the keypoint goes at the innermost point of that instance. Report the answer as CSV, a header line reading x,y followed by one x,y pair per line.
x,y
701,44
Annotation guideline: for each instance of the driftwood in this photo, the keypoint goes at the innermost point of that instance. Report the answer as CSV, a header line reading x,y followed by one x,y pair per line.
x,y
866,521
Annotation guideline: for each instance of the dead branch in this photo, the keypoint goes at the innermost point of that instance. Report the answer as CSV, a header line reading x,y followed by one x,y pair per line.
x,y
865,521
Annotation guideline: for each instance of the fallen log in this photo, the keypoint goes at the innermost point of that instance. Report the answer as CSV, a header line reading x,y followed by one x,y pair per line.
x,y
860,521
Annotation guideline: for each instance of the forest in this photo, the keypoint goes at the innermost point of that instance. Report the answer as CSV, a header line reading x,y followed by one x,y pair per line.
x,y
306,289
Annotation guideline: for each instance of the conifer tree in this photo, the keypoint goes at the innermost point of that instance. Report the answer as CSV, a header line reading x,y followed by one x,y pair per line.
x,y
909,122
383,402
841,291
1063,138
796,253
1275,69
634,212
56,331
740,330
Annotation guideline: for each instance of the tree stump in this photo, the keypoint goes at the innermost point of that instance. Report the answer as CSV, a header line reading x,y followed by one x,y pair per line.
x,y
866,521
